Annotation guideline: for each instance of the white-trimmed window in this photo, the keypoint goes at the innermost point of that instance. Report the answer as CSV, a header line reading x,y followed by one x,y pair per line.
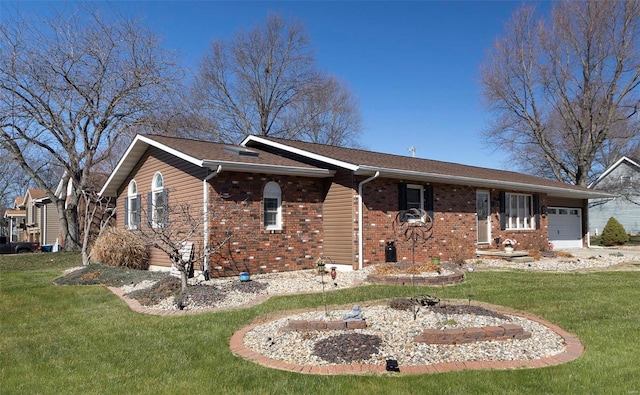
x,y
519,211
272,205
158,206
132,206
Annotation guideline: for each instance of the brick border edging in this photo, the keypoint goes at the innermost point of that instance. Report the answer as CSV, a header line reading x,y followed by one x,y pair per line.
x,y
472,334
315,325
573,350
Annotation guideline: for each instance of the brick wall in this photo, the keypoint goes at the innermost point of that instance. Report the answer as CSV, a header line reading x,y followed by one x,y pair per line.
x,y
252,249
454,232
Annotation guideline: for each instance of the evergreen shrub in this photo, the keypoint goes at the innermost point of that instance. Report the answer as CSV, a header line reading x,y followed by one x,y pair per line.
x,y
614,233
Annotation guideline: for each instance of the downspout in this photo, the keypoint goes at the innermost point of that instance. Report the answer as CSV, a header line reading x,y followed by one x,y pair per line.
x,y
205,204
360,242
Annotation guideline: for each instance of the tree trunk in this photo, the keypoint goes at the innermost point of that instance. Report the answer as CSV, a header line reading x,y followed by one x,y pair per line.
x,y
72,240
183,278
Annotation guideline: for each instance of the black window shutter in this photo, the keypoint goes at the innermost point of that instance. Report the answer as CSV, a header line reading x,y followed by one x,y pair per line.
x,y
536,209
503,211
165,220
402,196
126,211
150,208
137,208
428,197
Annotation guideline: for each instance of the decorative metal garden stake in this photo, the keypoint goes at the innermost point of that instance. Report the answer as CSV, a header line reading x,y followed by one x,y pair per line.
x,y
415,227
321,265
324,297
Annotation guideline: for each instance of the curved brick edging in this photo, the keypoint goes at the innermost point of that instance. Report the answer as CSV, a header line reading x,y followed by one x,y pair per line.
x,y
455,278
573,350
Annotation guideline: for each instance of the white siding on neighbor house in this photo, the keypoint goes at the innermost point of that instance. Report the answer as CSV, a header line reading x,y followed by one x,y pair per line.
x,y
621,208
626,212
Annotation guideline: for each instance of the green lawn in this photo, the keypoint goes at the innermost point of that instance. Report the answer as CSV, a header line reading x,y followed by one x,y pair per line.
x,y
83,339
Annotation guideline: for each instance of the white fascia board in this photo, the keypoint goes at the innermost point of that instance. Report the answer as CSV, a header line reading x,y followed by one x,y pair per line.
x,y
612,168
269,169
174,152
415,175
297,151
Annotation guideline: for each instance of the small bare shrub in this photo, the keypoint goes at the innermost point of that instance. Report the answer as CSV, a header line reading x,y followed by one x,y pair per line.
x,y
391,269
117,247
161,290
401,304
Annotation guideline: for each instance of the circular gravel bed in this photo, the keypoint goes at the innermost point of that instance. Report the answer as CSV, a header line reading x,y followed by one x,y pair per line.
x,y
390,335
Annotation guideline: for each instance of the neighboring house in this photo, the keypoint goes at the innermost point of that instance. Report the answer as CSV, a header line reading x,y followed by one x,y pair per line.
x,y
100,209
16,218
41,217
622,179
309,200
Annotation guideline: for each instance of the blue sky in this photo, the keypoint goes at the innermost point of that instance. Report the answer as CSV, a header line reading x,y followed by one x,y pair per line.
x,y
414,66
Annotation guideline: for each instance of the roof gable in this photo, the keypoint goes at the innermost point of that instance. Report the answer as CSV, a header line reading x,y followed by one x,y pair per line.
x,y
222,157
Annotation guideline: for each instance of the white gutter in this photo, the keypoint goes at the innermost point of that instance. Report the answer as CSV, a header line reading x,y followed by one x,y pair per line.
x,y
360,242
486,183
205,204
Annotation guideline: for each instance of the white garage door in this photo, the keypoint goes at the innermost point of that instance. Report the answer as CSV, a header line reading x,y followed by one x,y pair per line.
x,y
565,227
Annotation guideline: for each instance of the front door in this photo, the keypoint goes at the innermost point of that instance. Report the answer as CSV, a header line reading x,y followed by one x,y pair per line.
x,y
483,215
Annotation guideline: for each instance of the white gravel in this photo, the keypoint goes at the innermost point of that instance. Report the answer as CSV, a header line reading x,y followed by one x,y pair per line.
x,y
397,330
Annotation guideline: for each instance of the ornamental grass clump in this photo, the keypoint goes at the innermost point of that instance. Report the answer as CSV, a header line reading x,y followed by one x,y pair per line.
x,y
614,233
117,247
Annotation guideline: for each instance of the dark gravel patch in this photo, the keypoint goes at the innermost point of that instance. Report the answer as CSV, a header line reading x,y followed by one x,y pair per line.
x,y
200,296
108,275
247,286
346,348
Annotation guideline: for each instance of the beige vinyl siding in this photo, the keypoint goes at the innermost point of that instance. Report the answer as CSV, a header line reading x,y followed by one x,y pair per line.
x,y
337,213
181,178
51,224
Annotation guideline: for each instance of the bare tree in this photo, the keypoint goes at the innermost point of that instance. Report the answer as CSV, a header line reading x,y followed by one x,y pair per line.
x,y
326,113
264,82
565,89
69,87
182,226
97,215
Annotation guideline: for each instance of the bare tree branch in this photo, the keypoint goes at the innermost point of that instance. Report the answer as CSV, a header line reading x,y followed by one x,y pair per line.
x,y
264,82
565,91
70,86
